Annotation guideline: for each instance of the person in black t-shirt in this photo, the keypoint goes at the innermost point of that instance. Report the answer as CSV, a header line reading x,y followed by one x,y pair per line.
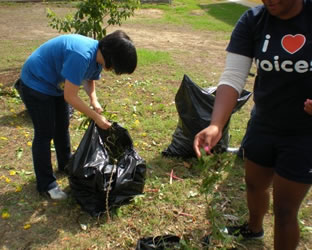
x,y
278,37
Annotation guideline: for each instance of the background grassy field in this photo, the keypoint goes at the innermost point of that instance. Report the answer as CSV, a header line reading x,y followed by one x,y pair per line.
x,y
186,37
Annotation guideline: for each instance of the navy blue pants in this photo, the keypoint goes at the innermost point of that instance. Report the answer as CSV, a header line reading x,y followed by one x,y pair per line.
x,y
50,117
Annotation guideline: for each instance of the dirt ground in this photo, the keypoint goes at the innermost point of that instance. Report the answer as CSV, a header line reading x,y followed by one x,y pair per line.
x,y
200,49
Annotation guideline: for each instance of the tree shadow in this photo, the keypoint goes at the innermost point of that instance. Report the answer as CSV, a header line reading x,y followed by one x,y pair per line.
x,y
227,194
226,12
35,220
21,119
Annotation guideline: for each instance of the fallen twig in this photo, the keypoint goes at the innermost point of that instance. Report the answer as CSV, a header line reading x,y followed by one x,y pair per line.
x,y
174,177
171,174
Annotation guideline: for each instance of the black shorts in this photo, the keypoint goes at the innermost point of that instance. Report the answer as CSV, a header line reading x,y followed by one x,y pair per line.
x,y
289,155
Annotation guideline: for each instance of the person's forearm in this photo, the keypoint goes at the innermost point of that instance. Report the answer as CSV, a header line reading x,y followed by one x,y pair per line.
x,y
81,106
89,87
71,96
226,98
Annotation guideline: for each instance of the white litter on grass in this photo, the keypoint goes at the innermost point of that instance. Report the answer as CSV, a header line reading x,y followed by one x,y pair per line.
x,y
232,150
231,217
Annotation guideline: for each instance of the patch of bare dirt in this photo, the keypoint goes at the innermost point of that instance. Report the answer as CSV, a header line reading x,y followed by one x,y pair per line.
x,y
190,48
150,13
25,21
9,77
197,12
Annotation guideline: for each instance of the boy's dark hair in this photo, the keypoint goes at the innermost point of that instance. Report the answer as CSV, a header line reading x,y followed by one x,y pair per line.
x,y
118,52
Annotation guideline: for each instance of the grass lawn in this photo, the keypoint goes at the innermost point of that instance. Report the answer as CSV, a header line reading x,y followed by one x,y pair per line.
x,y
187,37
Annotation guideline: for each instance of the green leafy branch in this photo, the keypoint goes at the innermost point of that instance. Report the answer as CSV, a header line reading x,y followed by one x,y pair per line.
x,y
93,17
214,167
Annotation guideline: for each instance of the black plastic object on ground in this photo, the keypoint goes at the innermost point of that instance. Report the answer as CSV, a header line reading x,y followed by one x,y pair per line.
x,y
159,243
105,171
195,105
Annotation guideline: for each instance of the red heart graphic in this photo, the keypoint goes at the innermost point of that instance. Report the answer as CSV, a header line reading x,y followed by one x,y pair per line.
x,y
292,43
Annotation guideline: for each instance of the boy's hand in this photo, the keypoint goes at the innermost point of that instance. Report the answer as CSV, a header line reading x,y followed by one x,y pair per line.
x,y
97,107
102,122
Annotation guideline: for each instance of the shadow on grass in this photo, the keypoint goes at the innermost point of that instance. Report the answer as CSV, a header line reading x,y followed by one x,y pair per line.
x,y
162,166
227,204
36,221
226,12
22,119
33,220
221,179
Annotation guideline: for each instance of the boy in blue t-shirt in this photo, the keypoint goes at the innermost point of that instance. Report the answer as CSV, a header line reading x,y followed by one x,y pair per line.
x,y
50,80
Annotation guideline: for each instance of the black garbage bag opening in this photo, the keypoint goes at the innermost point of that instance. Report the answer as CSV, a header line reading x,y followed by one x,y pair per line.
x,y
105,171
159,243
194,106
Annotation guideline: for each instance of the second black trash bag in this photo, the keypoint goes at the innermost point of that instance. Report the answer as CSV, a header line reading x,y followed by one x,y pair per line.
x,y
105,171
159,243
195,105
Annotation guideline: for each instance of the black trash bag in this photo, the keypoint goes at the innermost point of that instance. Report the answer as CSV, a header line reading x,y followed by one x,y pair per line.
x,y
159,243
195,105
105,171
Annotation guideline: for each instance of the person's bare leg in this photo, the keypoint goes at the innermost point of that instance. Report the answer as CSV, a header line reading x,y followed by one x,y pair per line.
x,y
258,181
287,198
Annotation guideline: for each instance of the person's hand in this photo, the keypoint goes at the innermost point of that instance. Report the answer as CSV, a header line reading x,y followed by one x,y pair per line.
x,y
308,106
102,122
97,106
207,139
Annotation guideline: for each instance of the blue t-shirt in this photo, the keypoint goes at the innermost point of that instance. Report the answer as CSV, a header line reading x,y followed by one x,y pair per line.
x,y
282,51
71,57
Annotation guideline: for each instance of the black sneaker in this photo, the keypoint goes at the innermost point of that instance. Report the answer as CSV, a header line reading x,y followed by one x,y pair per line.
x,y
243,231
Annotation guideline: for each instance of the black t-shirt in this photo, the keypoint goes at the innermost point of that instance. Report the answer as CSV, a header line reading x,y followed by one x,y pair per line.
x,y
282,51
